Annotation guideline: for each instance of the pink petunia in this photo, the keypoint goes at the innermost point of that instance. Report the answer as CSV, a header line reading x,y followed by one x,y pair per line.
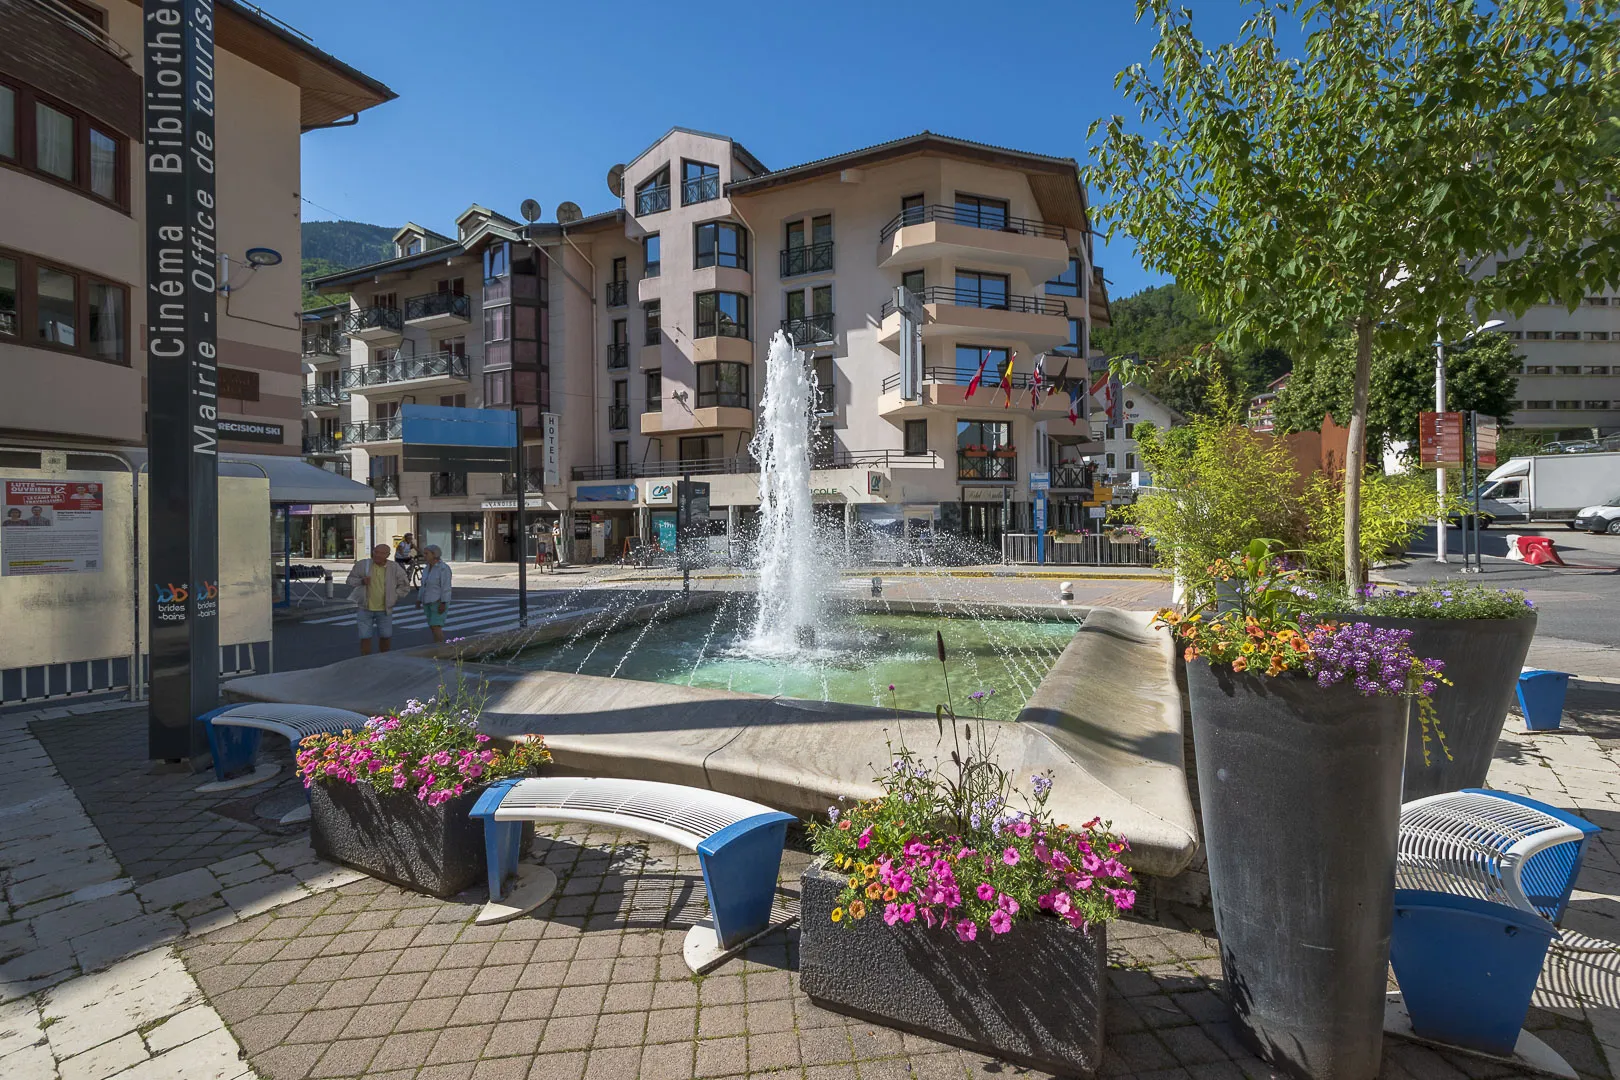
x,y
1124,899
1007,904
865,839
908,912
399,780
967,930
891,914
1060,861
1000,922
1042,852
986,891
1010,856
1022,829
1062,903
928,917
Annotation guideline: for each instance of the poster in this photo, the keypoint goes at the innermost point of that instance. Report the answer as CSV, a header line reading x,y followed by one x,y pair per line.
x,y
50,527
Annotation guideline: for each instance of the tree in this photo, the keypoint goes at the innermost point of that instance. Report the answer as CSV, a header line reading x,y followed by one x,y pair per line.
x,y
1480,375
1365,186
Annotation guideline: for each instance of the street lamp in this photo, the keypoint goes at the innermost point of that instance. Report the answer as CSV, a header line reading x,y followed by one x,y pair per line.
x,y
1440,407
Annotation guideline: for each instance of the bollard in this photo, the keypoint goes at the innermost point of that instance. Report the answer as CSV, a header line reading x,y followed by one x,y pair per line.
x,y
877,586
1066,591
1541,698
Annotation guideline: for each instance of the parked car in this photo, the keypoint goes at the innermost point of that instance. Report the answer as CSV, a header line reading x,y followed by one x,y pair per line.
x,y
1603,518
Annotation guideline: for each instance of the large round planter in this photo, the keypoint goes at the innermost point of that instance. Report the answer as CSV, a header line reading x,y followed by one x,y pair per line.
x,y
1483,658
1300,788
1034,996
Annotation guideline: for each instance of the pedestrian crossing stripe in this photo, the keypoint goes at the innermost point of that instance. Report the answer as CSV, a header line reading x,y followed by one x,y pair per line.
x,y
399,612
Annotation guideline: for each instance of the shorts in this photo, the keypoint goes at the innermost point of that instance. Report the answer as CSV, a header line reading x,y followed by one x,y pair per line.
x,y
435,617
371,622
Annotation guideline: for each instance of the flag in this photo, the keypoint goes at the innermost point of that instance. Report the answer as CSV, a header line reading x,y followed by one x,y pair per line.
x,y
978,376
1057,383
1074,402
1036,380
1006,379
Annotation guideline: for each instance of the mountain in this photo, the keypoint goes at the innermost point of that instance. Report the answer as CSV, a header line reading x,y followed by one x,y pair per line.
x,y
330,246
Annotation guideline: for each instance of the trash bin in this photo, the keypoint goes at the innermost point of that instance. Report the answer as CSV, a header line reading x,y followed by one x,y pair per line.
x,y
1541,698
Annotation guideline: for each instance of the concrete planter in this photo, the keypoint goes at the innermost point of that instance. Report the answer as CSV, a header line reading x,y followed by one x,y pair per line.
x,y
1483,658
1033,996
1300,788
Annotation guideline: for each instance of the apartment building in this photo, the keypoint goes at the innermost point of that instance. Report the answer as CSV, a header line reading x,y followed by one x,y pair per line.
x,y
1119,465
72,210
649,326
1569,380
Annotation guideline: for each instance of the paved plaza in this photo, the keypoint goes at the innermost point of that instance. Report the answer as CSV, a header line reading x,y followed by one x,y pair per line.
x,y
155,933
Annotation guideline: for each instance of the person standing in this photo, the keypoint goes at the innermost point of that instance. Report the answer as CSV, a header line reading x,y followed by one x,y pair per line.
x,y
434,596
379,584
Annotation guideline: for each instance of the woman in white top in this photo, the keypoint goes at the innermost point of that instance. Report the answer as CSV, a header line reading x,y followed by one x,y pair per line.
x,y
434,597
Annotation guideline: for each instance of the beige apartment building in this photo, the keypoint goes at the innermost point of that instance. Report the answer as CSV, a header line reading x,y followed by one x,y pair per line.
x,y
1569,377
72,210
654,319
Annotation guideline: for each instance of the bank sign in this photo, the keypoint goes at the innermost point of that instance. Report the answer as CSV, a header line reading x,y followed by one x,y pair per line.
x,y
660,492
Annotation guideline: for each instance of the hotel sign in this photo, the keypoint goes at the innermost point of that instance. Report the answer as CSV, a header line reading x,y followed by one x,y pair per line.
x,y
182,375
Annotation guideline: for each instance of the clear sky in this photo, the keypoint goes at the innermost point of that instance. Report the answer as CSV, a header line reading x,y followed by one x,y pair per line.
x,y
505,99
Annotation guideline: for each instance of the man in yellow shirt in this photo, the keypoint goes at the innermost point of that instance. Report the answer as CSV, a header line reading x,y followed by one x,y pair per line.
x,y
379,583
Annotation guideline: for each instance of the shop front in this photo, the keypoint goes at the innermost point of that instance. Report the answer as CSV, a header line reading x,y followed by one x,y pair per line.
x,y
460,536
604,521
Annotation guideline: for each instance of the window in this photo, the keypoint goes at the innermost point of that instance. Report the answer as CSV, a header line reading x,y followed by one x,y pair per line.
x,y
653,312
722,314
1567,335
981,213
983,435
1538,369
721,243
618,353
655,390
1590,369
414,246
53,141
620,268
1066,283
453,401
1110,432
619,410
1073,347
808,253
700,182
497,323
497,262
826,370
104,165
1598,301
451,286
8,123
107,322
701,448
1567,369
821,229
58,307
1130,431
652,194
913,280
1514,335
723,384
649,255
1130,461
63,145
1597,404
1538,335
970,358
1538,404
621,460
975,289
456,346
1597,335
916,438
10,311
1110,459
1568,405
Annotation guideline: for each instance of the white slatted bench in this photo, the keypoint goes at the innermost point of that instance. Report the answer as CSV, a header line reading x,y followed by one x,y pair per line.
x,y
738,845
234,732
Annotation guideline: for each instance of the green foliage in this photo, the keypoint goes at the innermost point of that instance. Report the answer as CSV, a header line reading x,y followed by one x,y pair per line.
x,y
1481,374
1436,600
1395,511
1514,443
331,246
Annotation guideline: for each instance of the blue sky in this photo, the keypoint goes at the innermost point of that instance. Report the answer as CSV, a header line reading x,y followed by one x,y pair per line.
x,y
507,99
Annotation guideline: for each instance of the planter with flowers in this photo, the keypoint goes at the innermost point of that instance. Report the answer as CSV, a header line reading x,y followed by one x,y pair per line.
x,y
1006,451
1300,732
938,909
392,799
974,450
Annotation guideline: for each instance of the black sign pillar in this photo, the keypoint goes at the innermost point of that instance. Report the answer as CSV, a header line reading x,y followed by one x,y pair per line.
x,y
182,380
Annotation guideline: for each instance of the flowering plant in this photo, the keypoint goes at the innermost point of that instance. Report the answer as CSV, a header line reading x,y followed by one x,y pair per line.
x,y
430,749
1436,600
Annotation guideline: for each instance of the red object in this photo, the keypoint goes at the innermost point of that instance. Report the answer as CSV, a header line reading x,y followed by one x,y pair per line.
x,y
1440,439
1537,550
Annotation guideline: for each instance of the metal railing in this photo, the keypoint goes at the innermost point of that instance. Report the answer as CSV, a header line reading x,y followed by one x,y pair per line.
x,y
653,404
652,200
654,336
447,484
824,400
323,444
977,218
618,417
618,293
986,466
992,380
700,189
387,486
82,26
405,369
438,303
535,482
742,463
807,259
1088,550
364,431
723,399
809,329
323,395
618,354
1072,476
373,318
717,327
325,346
991,301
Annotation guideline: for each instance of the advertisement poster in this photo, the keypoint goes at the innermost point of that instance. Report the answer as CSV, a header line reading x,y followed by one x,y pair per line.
x,y
50,527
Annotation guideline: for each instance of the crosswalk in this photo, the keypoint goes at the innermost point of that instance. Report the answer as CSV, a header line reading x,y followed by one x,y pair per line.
x,y
481,615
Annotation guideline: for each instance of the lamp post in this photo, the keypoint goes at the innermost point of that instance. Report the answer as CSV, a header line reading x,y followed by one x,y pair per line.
x,y
1440,407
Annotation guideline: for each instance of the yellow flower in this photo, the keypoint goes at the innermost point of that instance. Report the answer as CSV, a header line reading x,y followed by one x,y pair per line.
x,y
870,869
837,914
857,910
854,882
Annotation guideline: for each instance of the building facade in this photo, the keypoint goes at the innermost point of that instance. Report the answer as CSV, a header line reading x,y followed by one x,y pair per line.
x,y
1569,379
654,319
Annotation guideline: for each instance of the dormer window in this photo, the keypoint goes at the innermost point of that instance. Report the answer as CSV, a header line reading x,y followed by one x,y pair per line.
x,y
652,194
700,182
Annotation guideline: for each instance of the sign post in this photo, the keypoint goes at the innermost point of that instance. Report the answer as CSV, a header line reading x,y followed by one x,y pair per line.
x,y
691,523
1039,482
182,377
1440,440
911,365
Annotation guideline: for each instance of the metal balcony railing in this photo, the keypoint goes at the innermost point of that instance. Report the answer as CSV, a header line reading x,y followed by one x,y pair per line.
x,y
536,482
618,293
323,444
972,466
700,189
973,217
618,354
991,380
824,400
324,395
724,399
618,417
326,346
721,327
386,486
654,336
405,369
809,329
447,484
373,318
807,259
652,200
1072,476
437,303
742,463
980,298
369,431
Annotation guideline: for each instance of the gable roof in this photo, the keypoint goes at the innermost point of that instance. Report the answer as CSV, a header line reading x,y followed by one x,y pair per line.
x,y
748,159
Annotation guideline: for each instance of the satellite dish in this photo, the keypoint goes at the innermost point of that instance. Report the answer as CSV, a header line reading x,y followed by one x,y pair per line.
x,y
263,256
616,181
530,211
568,213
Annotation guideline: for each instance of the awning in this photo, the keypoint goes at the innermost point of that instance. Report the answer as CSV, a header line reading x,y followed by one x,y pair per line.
x,y
292,480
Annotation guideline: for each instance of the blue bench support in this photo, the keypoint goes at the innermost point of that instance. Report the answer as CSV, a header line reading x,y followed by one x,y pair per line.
x,y
235,749
1548,876
1466,967
1541,698
502,839
740,865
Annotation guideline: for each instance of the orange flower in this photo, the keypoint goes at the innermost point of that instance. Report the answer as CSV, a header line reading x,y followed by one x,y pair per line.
x,y
873,891
1191,654
843,826
1239,663
857,910
889,893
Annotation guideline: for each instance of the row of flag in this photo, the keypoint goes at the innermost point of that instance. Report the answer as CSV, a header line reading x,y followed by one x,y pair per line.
x,y
1038,384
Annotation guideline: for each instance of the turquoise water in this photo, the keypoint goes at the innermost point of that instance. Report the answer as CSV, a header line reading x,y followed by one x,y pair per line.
x,y
854,659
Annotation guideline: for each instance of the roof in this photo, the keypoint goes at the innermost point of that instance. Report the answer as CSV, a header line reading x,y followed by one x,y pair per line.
x,y
1097,306
477,208
356,274
1055,181
753,163
596,221
425,232
330,90
292,479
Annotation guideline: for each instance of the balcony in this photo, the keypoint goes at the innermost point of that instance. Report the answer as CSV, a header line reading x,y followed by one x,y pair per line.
x,y
699,189
704,418
652,200
618,355
323,349
535,482
824,402
618,418
986,466
324,396
372,431
941,231
323,445
945,389
440,484
438,310
386,486
808,259
371,324
618,293
1037,323
407,373
807,330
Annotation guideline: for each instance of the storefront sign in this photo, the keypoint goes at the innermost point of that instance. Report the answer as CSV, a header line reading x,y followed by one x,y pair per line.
x,y
548,451
299,509
1440,439
239,384
50,527
251,431
606,493
182,376
660,492
983,494
1040,481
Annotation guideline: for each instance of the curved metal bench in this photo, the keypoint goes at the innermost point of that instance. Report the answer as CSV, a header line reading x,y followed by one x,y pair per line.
x,y
234,732
738,845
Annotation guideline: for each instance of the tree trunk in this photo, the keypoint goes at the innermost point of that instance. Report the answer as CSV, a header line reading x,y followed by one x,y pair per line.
x,y
1355,455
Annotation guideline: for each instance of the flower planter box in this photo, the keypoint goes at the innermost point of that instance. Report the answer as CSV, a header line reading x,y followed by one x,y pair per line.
x,y
1034,996
437,850
1300,788
975,453
1006,454
1483,658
